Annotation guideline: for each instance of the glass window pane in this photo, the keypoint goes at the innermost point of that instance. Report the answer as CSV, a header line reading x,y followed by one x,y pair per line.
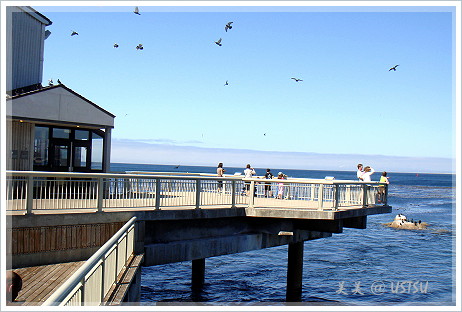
x,y
80,157
61,133
61,156
96,152
81,134
41,146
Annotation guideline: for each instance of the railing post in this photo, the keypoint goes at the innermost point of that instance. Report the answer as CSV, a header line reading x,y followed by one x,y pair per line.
x,y
385,195
252,194
198,194
157,194
320,196
233,194
29,194
82,292
364,195
103,276
336,196
99,196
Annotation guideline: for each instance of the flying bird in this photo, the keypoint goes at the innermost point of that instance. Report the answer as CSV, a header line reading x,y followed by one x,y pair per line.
x,y
218,42
136,11
116,45
393,68
226,83
296,79
139,47
74,33
228,26
176,167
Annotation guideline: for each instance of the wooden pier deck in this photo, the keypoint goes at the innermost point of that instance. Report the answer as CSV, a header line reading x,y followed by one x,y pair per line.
x,y
39,282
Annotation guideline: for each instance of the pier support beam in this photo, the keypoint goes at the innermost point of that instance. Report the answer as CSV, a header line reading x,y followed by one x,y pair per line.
x,y
294,272
198,274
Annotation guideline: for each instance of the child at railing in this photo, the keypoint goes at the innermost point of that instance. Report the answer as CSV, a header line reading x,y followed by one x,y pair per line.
x,y
281,176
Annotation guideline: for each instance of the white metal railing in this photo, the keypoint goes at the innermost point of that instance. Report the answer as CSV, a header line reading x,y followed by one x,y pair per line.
x,y
33,191
89,285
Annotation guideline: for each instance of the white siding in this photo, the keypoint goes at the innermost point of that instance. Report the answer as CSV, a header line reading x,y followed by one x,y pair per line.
x,y
25,48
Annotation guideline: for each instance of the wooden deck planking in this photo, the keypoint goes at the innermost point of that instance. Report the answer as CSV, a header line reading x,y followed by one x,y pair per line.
x,y
41,281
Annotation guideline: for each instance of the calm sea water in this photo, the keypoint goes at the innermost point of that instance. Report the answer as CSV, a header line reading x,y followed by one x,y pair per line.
x,y
375,266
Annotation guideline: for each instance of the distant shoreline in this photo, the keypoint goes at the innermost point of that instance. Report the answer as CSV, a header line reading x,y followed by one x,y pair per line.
x,y
352,170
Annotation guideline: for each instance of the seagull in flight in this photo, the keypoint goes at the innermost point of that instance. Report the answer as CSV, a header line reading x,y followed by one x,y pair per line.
x,y
137,11
226,83
139,47
74,33
228,26
218,42
116,45
393,68
296,79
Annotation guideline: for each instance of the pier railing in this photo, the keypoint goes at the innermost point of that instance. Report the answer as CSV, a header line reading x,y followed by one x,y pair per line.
x,y
34,191
90,284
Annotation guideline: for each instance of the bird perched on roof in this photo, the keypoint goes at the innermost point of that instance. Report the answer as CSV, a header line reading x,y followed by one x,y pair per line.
x,y
50,82
139,47
116,45
74,33
228,26
393,68
136,11
59,81
218,42
296,79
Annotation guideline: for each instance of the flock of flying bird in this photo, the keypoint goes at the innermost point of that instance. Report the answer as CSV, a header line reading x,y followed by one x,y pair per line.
x,y
218,42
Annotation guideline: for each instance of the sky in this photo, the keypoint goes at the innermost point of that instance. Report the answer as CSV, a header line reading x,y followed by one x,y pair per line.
x,y
172,95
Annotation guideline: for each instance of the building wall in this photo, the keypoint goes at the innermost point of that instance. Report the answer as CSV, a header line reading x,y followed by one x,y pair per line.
x,y
20,150
25,49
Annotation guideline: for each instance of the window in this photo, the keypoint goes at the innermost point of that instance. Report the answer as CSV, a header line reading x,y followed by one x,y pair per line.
x,y
61,133
96,152
41,146
82,135
80,156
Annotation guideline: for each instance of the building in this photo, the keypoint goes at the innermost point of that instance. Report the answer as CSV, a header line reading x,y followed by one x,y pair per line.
x,y
49,128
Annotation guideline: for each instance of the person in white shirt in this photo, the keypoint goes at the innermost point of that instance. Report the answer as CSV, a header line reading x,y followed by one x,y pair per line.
x,y
248,173
368,171
360,172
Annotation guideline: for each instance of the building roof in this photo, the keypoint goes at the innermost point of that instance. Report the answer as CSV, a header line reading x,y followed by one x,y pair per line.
x,y
37,15
58,103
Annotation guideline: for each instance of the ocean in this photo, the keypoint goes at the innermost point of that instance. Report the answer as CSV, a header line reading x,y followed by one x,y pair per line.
x,y
374,266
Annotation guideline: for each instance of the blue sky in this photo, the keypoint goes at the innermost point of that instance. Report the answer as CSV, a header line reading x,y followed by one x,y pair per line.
x,y
172,93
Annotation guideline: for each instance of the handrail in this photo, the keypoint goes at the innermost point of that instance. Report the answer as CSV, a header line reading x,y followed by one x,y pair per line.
x,y
29,191
73,282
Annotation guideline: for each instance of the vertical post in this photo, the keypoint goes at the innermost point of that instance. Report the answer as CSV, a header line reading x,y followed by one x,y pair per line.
x,y
82,292
29,194
99,196
103,276
252,194
385,195
336,196
157,193
198,194
198,274
233,194
320,196
364,195
294,272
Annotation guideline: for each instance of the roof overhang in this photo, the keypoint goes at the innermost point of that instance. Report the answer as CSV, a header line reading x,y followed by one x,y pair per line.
x,y
58,105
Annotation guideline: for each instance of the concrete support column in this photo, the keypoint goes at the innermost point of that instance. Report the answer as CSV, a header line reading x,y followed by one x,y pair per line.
x,y
198,274
107,149
294,272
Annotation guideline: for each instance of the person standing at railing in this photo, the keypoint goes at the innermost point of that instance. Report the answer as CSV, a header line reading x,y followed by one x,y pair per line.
x,y
360,172
281,176
381,193
368,171
268,175
220,173
248,173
